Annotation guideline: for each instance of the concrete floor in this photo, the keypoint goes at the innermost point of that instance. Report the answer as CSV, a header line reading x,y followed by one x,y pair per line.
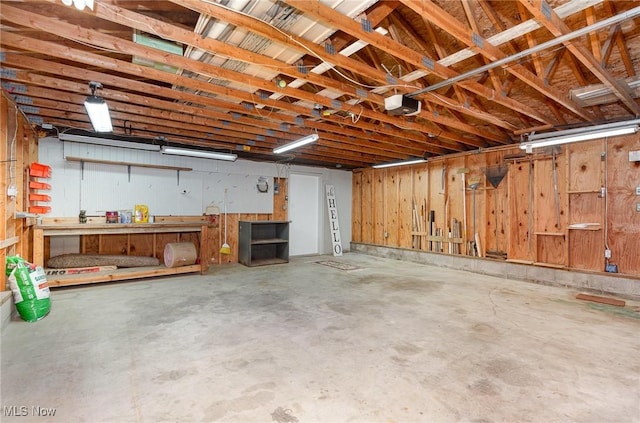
x,y
304,342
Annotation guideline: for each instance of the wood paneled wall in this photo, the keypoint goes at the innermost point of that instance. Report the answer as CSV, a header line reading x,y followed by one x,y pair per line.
x,y
557,207
18,150
280,212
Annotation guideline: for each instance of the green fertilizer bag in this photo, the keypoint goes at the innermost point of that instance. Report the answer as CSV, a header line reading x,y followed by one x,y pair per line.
x,y
28,283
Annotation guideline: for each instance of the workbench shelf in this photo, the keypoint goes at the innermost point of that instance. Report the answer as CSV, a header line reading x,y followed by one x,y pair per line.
x,y
150,238
263,242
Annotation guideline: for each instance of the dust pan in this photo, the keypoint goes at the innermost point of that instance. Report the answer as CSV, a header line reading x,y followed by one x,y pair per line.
x,y
225,249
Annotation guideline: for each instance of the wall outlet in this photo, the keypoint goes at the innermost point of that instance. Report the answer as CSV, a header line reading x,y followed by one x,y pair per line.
x,y
638,190
12,191
607,254
638,207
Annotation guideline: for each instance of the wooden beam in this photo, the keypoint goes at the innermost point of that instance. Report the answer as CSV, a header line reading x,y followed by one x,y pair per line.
x,y
6,243
346,24
532,42
558,28
594,42
132,69
620,41
447,22
449,103
105,41
227,120
469,12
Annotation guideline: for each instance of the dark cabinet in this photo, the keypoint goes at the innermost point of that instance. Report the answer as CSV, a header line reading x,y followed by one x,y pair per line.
x,y
263,242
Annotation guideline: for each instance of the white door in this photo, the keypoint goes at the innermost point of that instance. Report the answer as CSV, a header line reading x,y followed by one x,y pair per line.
x,y
304,214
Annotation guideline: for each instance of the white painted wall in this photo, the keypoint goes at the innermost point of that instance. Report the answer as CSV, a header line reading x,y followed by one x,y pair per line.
x,y
102,187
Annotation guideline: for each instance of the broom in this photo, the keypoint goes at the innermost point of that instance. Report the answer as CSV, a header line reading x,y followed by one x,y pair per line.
x,y
225,249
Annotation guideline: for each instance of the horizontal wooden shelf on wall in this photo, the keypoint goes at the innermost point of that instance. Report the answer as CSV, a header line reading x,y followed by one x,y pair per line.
x,y
586,191
585,226
109,162
550,233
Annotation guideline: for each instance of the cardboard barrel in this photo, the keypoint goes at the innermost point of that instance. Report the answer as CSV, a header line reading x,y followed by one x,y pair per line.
x,y
178,254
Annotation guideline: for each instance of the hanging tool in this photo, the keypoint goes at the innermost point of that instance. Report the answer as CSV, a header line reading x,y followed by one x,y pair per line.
x,y
473,185
225,249
462,172
417,229
530,206
556,194
495,175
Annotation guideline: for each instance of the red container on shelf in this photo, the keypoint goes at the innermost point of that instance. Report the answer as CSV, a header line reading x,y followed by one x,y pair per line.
x,y
40,170
39,185
39,209
39,197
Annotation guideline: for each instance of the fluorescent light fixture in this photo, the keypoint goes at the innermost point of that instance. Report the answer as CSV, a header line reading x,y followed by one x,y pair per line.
x,y
107,142
580,134
199,153
79,4
402,163
98,110
295,144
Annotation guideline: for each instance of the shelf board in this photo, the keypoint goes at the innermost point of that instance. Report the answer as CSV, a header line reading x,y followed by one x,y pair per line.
x,y
550,233
585,226
110,162
119,275
585,191
266,261
268,241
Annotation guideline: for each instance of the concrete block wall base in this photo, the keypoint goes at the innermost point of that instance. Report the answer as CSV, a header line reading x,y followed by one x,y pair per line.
x,y
6,308
594,282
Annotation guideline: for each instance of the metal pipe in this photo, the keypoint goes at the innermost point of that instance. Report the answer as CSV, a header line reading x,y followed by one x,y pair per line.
x,y
629,14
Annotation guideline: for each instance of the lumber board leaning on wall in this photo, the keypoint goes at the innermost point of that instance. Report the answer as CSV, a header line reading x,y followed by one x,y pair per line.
x,y
437,193
420,182
454,206
476,163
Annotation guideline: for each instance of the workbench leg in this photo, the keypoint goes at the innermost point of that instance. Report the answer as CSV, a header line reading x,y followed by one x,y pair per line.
x,y
204,249
38,247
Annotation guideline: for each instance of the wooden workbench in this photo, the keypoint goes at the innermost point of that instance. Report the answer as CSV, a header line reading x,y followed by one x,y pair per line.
x,y
40,232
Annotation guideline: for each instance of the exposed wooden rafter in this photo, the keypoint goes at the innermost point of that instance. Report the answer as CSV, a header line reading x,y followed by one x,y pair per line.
x,y
557,27
336,64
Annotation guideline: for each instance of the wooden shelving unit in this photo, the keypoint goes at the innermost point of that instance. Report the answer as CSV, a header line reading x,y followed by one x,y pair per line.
x,y
263,242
